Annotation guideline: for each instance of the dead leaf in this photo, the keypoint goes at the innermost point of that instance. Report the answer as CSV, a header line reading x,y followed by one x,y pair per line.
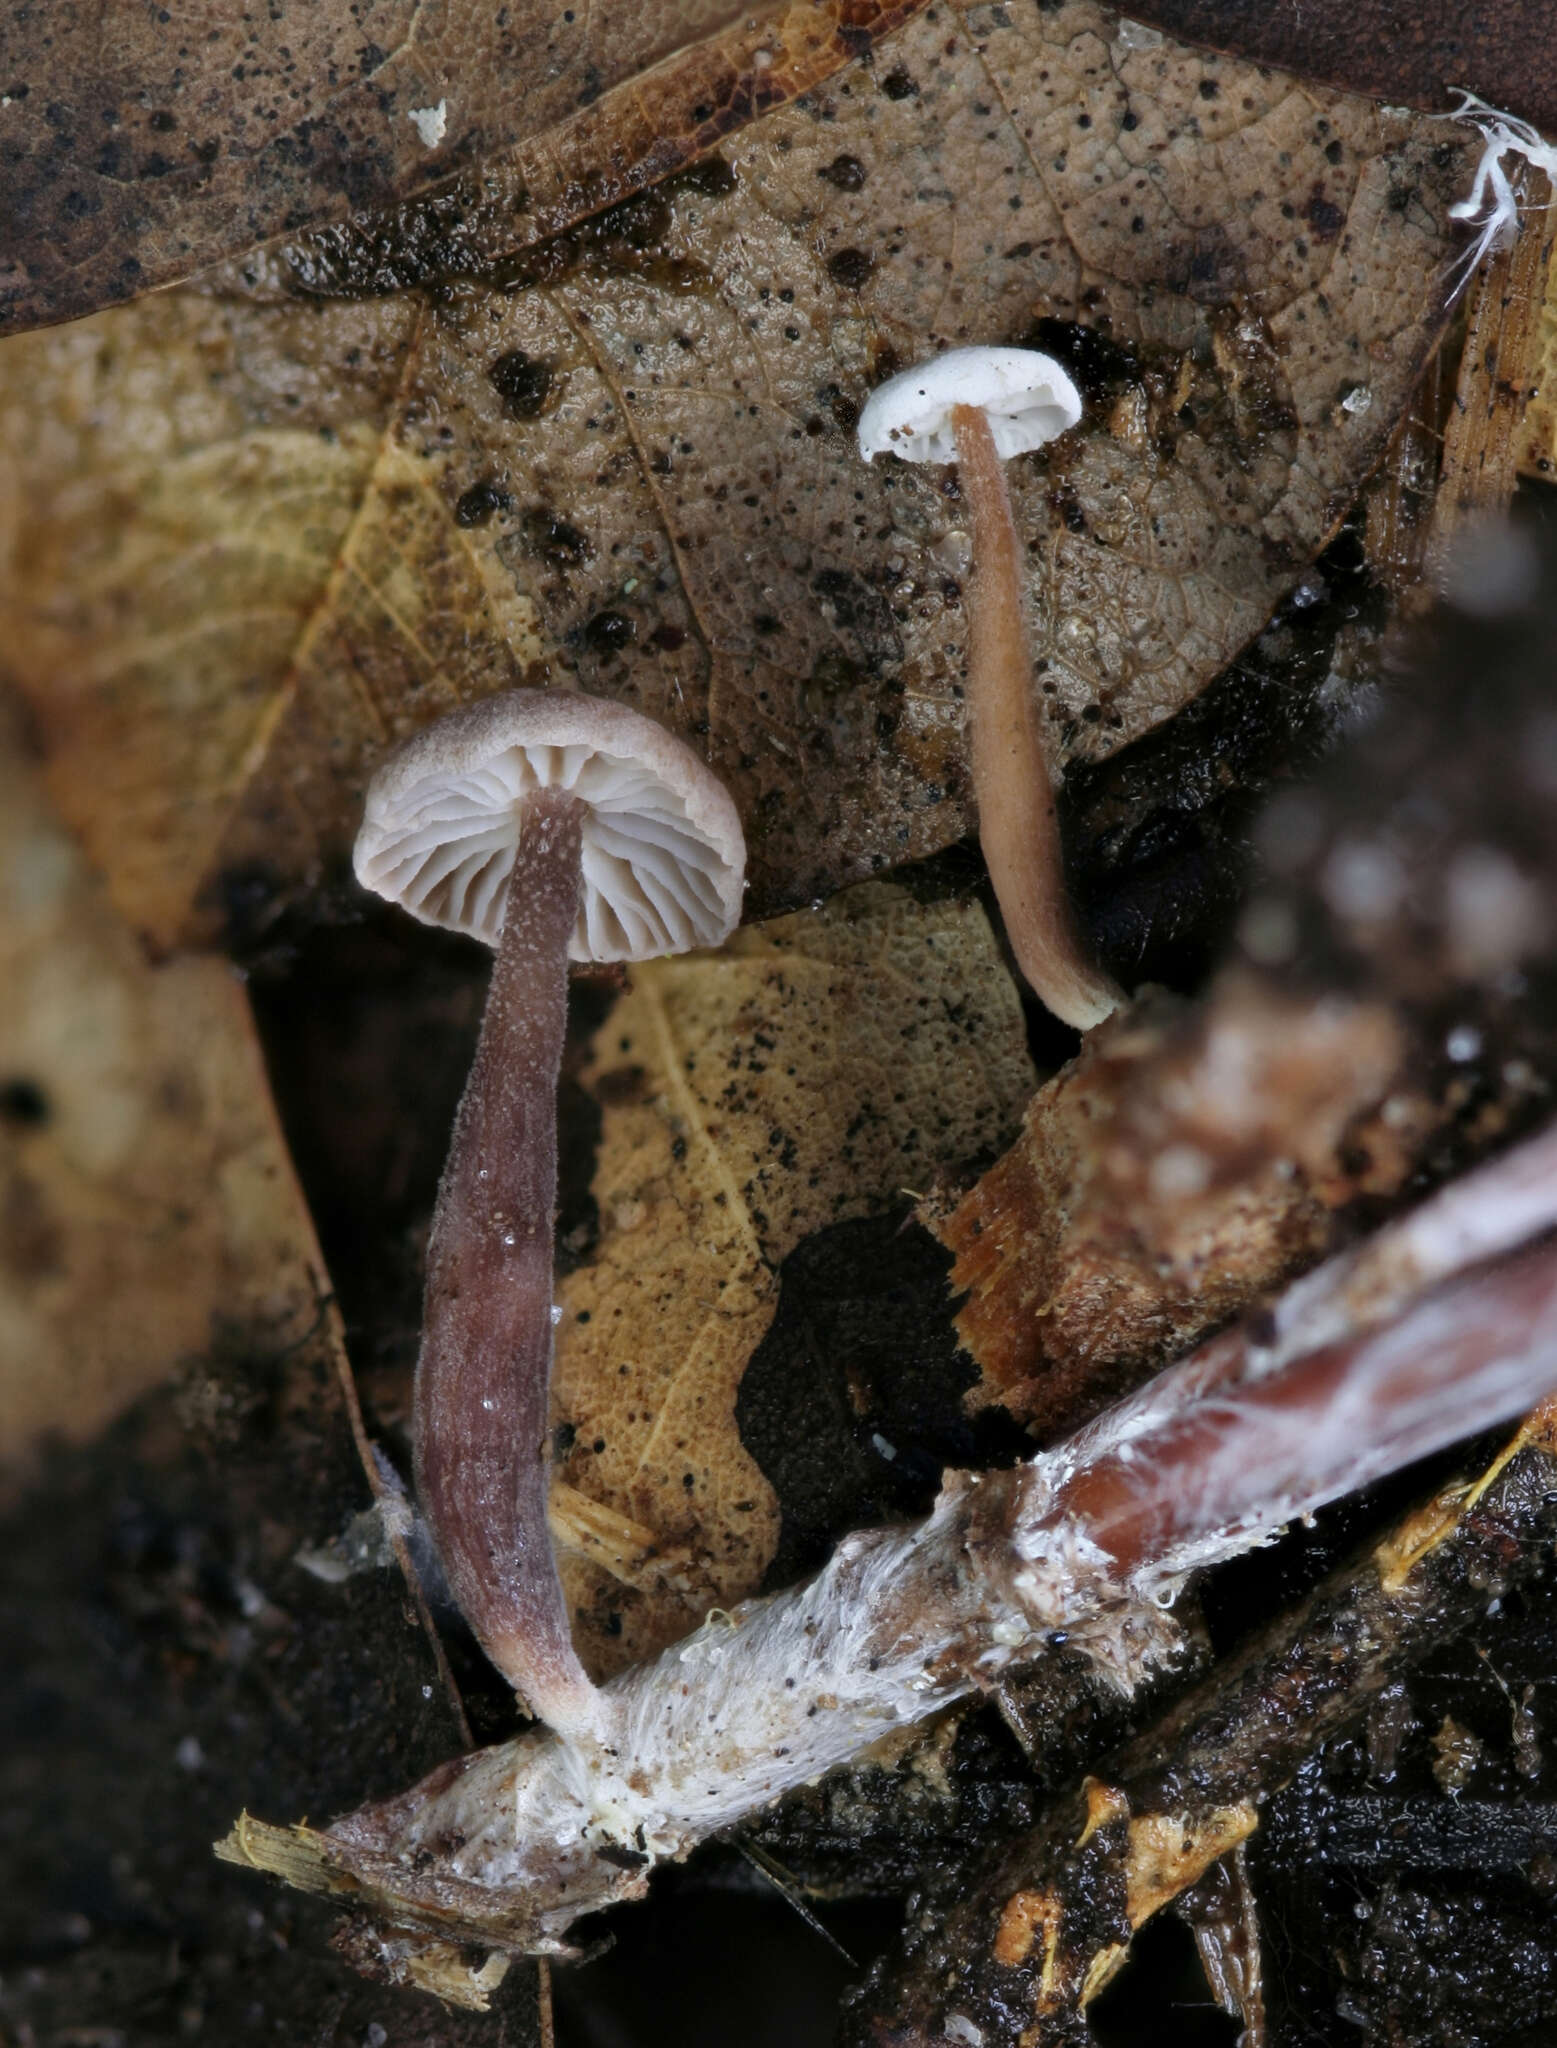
x,y
1504,53
609,150
141,144
149,1217
1170,1176
806,1074
624,458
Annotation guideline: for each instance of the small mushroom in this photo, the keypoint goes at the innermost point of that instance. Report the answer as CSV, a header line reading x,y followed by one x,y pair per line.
x,y
554,826
978,406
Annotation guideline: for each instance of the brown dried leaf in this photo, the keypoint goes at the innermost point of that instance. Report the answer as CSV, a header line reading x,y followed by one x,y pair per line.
x,y
148,1213
624,458
1182,1166
802,1076
142,145
1504,53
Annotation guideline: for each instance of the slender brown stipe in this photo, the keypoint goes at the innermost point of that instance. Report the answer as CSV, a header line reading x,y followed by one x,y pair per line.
x,y
1018,822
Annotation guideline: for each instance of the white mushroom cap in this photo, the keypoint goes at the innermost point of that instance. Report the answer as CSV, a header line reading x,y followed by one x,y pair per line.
x,y
1027,397
664,857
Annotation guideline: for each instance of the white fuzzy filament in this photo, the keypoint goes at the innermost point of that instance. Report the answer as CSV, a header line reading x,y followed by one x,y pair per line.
x,y
1492,209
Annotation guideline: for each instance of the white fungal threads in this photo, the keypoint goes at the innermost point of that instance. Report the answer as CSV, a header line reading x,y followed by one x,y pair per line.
x,y
431,123
1417,1337
1492,208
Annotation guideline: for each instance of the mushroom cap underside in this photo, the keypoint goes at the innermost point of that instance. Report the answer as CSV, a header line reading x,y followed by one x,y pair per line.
x,y
1027,397
663,852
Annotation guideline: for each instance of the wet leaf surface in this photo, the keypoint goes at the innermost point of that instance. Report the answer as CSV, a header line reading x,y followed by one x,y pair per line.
x,y
748,1099
150,1222
1414,58
140,144
623,458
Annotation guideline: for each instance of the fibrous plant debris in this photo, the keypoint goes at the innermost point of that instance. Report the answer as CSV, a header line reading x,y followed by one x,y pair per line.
x,y
1369,1367
423,383
1182,1165
1044,1930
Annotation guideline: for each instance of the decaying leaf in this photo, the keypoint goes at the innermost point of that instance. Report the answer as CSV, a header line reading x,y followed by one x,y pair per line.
x,y
140,144
149,1218
1179,1168
1502,53
806,1074
296,1855
623,457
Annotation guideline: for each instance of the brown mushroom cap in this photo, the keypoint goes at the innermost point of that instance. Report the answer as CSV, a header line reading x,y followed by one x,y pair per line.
x,y
663,856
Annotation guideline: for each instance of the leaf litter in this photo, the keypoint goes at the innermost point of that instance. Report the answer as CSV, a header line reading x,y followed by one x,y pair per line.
x,y
808,1073
412,575
283,120
622,458
150,1221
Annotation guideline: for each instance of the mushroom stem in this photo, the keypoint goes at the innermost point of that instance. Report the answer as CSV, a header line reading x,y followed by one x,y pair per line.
x,y
1013,780
484,1375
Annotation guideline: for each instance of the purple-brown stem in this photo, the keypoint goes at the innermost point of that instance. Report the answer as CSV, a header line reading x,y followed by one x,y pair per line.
x,y
484,1375
1012,779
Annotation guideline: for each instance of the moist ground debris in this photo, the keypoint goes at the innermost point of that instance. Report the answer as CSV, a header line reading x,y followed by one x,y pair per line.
x,y
166,1656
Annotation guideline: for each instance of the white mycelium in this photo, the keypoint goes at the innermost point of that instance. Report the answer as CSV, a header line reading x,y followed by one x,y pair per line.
x,y
1376,1359
1492,208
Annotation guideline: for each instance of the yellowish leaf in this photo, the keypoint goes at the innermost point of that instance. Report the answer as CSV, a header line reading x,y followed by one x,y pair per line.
x,y
811,1072
616,451
148,1212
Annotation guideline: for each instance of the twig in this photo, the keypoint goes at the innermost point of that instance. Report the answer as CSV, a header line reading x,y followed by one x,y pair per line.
x,y
509,1846
548,2026
1043,1926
